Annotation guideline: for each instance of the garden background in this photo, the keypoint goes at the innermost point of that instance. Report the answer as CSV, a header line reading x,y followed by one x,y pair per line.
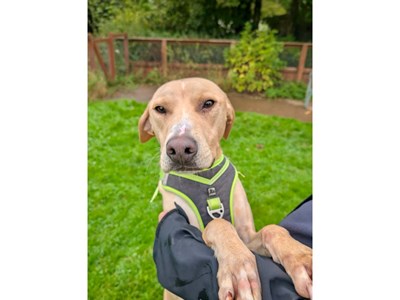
x,y
272,150
44,141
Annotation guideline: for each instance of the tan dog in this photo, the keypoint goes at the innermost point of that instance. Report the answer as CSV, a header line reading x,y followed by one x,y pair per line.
x,y
189,117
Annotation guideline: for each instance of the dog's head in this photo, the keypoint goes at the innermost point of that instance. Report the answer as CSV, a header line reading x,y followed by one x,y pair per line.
x,y
188,117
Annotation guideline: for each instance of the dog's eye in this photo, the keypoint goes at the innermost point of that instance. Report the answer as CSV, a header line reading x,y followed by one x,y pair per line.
x,y
208,103
160,109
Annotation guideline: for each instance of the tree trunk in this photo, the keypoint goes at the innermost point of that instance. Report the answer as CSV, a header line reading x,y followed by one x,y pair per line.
x,y
256,14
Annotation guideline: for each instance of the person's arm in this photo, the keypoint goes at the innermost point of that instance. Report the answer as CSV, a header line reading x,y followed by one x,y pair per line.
x,y
187,267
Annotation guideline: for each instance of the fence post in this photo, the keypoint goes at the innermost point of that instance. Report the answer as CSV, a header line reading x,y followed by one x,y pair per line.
x,y
100,59
126,53
111,56
302,62
164,67
309,91
92,63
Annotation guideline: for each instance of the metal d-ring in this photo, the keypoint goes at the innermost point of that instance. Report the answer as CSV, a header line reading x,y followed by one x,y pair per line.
x,y
219,211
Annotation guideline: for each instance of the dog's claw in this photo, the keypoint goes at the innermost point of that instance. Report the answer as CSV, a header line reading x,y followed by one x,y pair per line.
x,y
309,290
229,296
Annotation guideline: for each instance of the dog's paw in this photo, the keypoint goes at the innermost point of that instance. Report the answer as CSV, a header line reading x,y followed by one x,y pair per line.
x,y
238,276
294,256
298,264
237,268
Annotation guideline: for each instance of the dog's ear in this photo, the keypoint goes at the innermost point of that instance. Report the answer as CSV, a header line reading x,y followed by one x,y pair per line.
x,y
145,130
230,117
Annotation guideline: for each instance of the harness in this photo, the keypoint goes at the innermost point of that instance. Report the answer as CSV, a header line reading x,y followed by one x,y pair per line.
x,y
208,192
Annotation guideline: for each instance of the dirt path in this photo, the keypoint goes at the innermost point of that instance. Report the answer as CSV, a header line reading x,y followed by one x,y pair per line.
x,y
240,101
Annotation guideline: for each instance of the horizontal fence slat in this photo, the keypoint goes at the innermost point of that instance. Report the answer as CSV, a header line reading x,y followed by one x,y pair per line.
x,y
296,44
181,41
100,40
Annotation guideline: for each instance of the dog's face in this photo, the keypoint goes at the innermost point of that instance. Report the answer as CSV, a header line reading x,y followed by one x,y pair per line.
x,y
188,117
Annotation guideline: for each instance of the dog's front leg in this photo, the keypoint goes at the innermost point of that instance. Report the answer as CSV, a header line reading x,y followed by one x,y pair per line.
x,y
237,269
276,242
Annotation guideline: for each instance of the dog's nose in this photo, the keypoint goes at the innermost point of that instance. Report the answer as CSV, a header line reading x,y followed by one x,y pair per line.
x,y
181,149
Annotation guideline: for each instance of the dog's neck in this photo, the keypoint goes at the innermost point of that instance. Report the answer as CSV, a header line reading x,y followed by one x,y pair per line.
x,y
214,164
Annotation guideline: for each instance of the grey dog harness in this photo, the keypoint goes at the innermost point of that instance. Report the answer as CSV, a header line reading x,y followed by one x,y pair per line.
x,y
208,192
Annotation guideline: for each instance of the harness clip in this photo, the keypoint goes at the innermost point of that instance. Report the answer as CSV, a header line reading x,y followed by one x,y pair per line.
x,y
215,208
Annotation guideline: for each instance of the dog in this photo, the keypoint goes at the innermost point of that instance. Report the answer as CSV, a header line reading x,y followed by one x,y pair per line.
x,y
189,117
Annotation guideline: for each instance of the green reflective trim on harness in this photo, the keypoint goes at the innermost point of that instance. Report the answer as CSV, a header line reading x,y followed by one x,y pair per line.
x,y
231,196
154,195
214,206
188,201
217,162
203,180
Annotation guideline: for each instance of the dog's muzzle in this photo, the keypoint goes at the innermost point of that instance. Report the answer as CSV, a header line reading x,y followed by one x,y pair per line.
x,y
182,150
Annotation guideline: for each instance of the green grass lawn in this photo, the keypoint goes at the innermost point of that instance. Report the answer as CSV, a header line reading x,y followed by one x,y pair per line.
x,y
274,154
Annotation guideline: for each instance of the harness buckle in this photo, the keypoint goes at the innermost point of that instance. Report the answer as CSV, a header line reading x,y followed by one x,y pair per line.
x,y
215,206
212,191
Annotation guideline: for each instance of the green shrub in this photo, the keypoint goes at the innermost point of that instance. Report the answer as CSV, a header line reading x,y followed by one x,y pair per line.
x,y
288,90
254,63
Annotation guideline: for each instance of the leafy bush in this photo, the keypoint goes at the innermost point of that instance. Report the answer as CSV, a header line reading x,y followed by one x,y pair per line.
x,y
288,90
254,62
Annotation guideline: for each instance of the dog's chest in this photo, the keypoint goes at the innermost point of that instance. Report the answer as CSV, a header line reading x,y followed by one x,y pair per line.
x,y
208,193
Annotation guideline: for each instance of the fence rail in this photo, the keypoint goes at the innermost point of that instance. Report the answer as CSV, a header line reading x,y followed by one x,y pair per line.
x,y
104,52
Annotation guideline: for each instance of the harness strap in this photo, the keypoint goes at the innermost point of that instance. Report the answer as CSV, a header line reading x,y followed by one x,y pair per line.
x,y
209,192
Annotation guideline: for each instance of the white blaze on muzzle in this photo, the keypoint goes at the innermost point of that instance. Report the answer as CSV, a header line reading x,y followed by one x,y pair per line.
x,y
180,128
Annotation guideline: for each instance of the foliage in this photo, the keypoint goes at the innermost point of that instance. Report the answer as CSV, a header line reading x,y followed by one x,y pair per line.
x,y
100,88
99,11
196,53
130,82
275,157
254,62
184,17
131,17
271,8
97,85
220,18
291,56
287,90
154,77
295,22
202,18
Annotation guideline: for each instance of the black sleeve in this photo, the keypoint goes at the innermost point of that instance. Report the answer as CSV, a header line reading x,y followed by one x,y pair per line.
x,y
186,266
299,222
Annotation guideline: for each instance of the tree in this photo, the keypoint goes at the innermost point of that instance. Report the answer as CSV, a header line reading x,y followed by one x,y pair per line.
x,y
100,11
211,18
295,22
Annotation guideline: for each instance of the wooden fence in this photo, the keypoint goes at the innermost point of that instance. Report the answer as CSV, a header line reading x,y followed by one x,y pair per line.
x,y
107,60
